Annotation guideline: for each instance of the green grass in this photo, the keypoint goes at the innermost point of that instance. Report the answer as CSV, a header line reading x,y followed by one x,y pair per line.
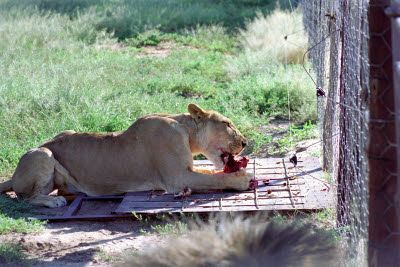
x,y
294,134
118,257
13,217
11,255
327,215
165,224
173,228
306,131
20,225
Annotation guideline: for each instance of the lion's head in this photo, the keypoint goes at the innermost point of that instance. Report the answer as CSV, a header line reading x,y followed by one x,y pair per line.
x,y
216,135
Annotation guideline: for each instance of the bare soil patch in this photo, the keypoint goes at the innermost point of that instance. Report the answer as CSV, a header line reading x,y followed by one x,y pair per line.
x,y
86,243
162,50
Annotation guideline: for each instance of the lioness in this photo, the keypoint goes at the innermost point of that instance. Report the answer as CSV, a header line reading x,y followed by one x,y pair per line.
x,y
154,153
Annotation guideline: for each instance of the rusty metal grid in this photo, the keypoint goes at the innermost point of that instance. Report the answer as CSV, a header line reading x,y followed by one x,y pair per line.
x,y
298,192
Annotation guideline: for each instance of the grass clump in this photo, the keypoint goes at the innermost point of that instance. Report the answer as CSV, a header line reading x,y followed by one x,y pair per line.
x,y
10,254
267,34
173,228
267,93
165,224
213,37
210,37
266,40
304,132
13,217
20,225
147,38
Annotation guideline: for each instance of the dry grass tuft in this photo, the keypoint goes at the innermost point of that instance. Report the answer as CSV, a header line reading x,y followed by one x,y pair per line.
x,y
266,34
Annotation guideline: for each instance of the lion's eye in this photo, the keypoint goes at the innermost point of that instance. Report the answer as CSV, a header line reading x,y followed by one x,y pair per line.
x,y
228,124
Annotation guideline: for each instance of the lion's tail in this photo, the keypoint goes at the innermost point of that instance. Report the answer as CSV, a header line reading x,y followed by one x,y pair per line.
x,y
6,186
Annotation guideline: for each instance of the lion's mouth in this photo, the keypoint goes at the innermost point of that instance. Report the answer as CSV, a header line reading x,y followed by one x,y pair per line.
x,y
225,157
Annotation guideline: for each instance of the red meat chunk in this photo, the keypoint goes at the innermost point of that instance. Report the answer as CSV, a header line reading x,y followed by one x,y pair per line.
x,y
234,163
253,184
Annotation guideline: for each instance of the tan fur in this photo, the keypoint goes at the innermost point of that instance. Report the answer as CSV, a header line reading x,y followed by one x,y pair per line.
x,y
154,153
243,242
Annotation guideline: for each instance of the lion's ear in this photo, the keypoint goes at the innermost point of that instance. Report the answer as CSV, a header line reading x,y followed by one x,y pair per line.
x,y
196,112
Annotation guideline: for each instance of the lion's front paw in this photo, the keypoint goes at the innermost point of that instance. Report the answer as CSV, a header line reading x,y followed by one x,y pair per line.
x,y
242,180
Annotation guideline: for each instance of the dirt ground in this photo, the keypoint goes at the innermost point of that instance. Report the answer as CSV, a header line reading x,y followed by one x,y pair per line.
x,y
85,243
88,242
104,242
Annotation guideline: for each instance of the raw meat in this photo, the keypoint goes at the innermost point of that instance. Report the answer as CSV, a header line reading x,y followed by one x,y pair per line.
x,y
253,184
234,163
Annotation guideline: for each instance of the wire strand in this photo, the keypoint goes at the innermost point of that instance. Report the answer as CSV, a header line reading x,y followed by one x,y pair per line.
x,y
311,48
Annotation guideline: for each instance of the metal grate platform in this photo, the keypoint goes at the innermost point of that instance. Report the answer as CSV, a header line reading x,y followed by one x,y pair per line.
x,y
300,188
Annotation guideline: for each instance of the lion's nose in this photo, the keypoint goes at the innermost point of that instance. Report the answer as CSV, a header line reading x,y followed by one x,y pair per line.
x,y
244,143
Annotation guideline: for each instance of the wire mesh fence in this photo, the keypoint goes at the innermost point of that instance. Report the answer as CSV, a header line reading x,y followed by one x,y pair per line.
x,y
350,53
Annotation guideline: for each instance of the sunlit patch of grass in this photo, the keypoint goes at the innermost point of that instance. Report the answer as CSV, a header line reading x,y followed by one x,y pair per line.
x,y
276,38
267,34
258,141
20,225
170,228
303,132
214,37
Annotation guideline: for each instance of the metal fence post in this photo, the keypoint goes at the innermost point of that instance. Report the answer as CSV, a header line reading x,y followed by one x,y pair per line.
x,y
384,217
394,12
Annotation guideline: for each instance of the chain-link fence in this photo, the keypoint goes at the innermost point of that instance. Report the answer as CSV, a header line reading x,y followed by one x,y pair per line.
x,y
351,57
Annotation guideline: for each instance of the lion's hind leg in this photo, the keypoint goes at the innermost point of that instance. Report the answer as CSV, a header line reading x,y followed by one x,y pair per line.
x,y
33,179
